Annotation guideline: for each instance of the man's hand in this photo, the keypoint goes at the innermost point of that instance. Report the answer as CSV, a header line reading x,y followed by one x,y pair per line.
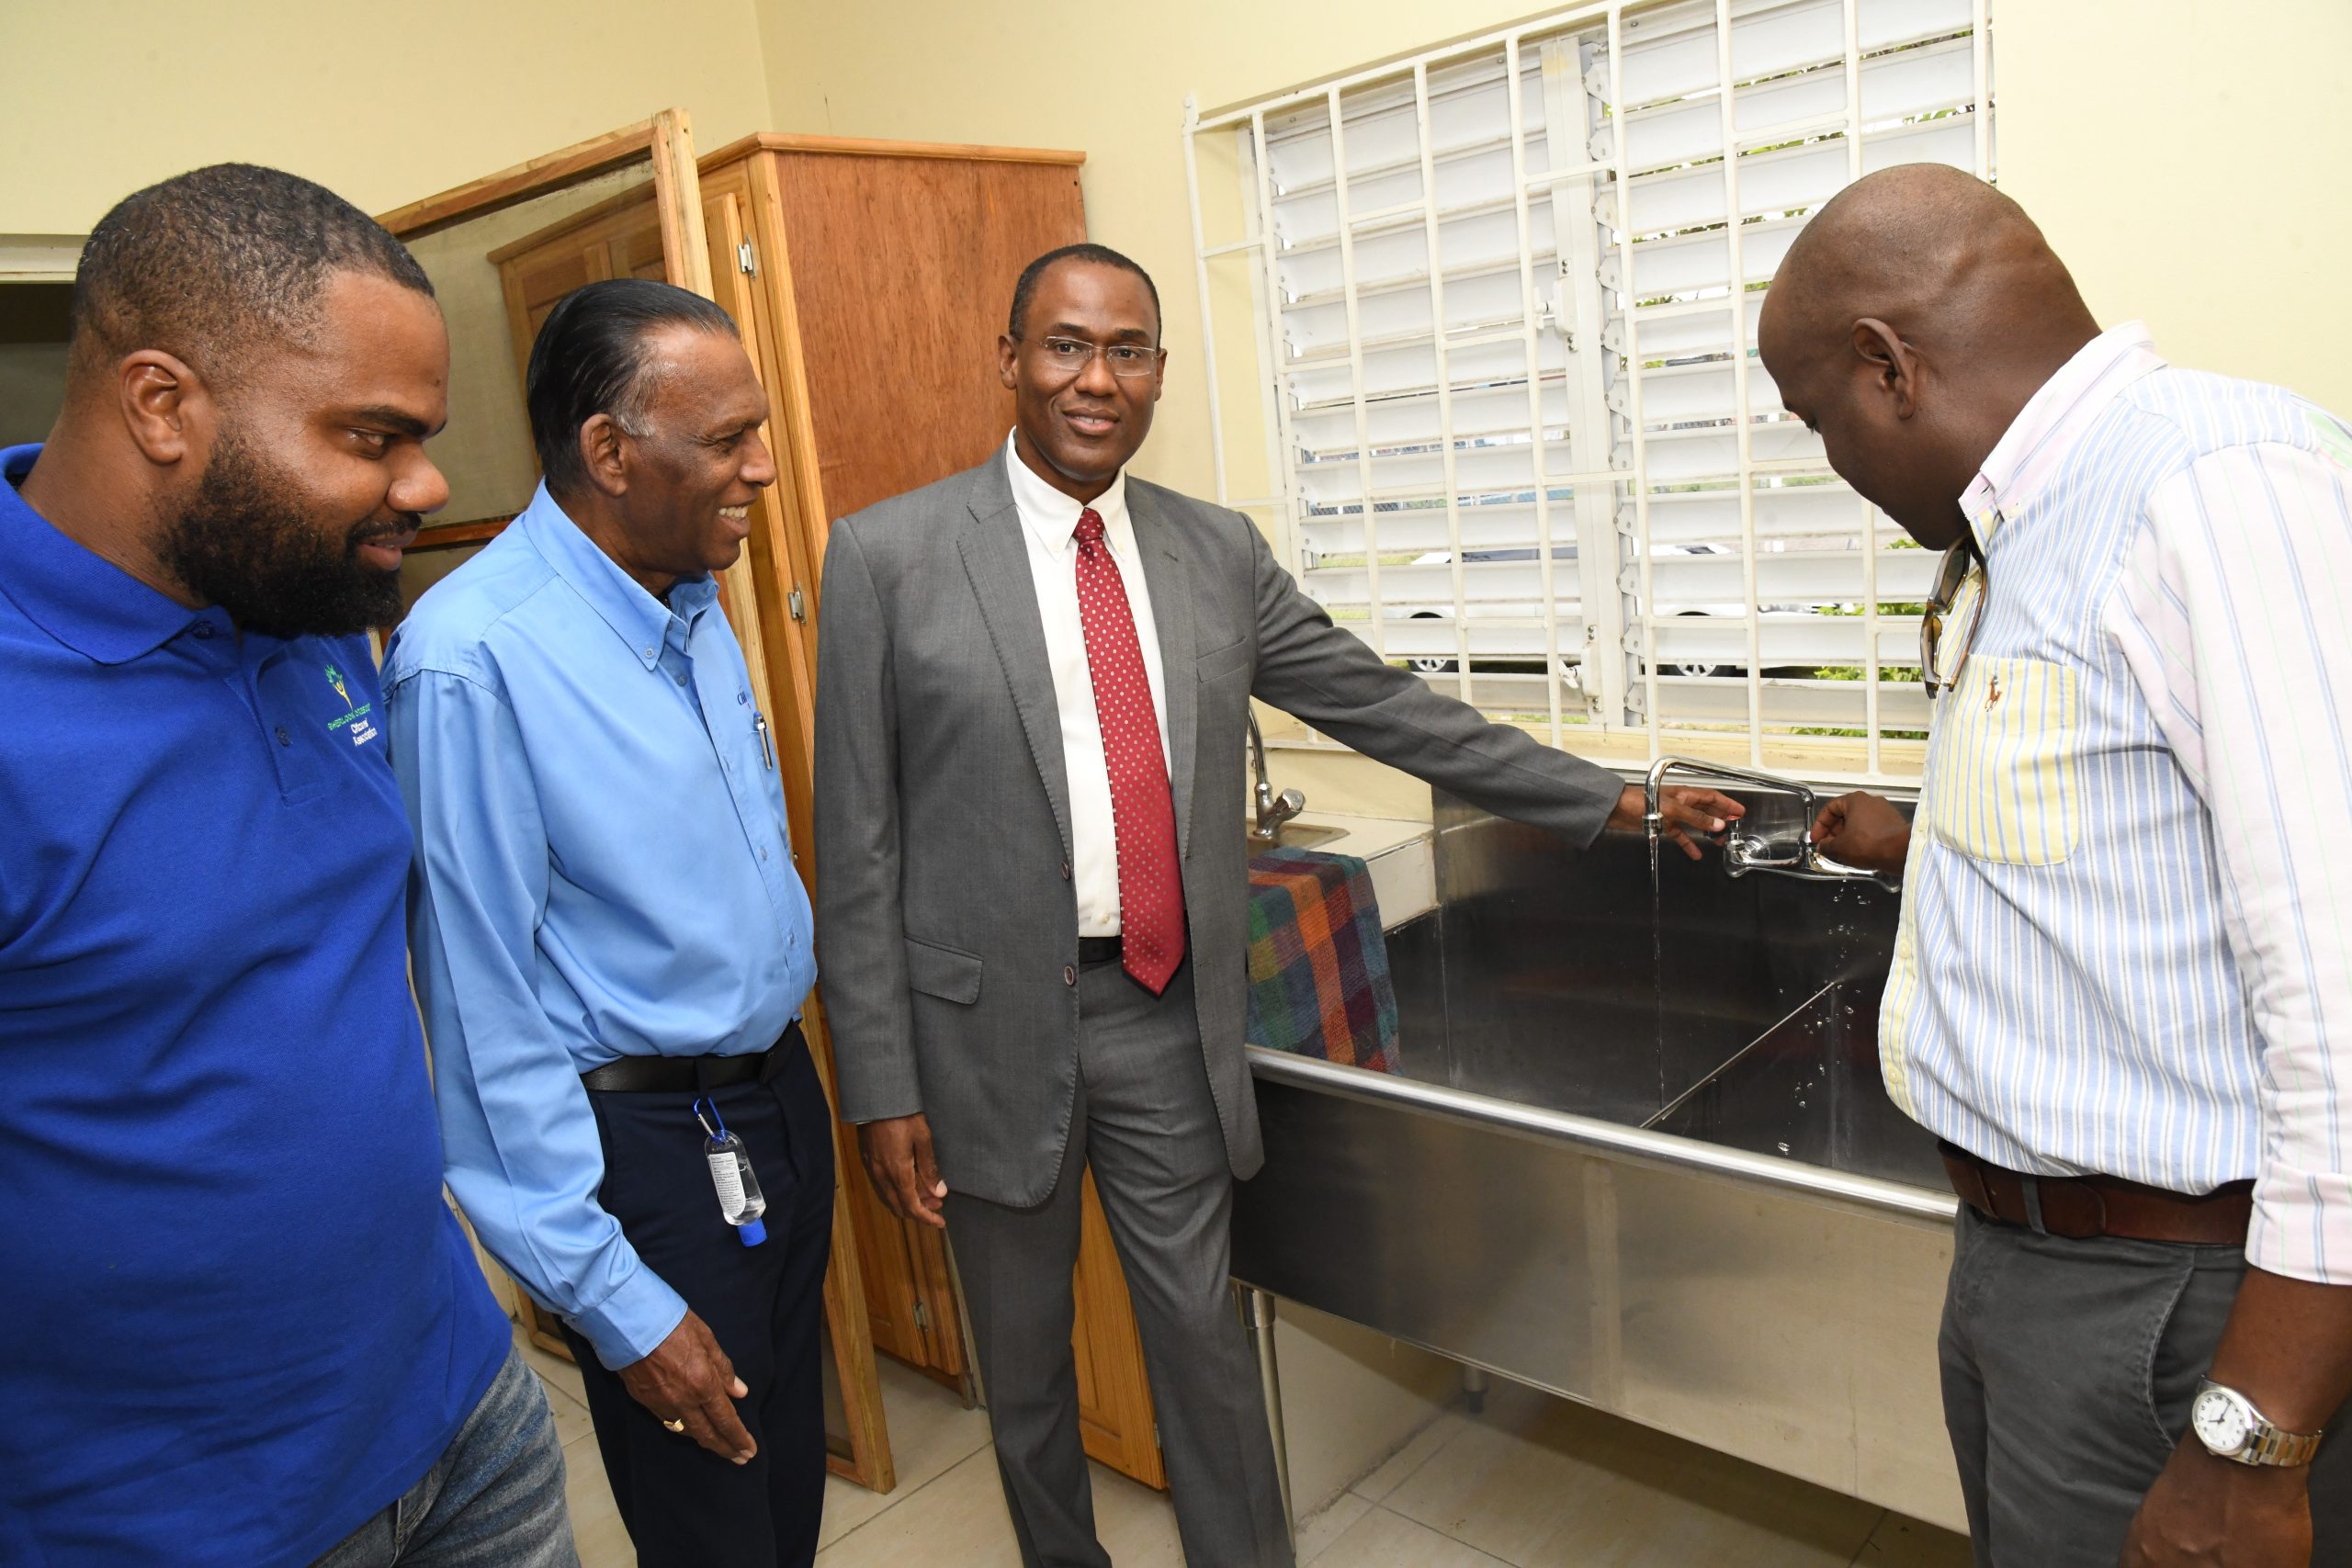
x,y
2205,1512
688,1377
1686,812
897,1156
1864,831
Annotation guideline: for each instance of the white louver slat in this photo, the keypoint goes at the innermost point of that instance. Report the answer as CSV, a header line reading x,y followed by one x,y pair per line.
x,y
1524,314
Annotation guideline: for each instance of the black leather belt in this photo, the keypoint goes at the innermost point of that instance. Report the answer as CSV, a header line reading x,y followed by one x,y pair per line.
x,y
692,1074
1093,950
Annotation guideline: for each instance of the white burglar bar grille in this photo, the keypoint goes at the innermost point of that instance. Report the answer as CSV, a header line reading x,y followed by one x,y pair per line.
x,y
1518,437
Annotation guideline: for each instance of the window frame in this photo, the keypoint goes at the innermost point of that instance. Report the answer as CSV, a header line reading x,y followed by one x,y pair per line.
x,y
1603,692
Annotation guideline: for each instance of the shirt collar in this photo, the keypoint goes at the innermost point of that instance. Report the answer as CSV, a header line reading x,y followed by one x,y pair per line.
x,y
1051,517
636,617
2045,431
86,601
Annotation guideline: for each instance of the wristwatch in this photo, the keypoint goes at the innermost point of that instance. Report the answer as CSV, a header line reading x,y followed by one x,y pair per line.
x,y
2229,1426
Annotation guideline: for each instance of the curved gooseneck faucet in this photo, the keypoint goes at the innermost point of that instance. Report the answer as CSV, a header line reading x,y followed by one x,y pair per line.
x,y
1744,852
1273,810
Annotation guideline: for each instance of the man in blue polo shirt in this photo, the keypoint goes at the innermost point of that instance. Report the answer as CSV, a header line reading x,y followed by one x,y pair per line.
x,y
240,1327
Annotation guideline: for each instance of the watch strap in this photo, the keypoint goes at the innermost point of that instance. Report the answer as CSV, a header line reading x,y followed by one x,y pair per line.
x,y
2274,1446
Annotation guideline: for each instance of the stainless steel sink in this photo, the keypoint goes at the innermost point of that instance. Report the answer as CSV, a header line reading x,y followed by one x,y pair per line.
x,y
1292,836
1639,1154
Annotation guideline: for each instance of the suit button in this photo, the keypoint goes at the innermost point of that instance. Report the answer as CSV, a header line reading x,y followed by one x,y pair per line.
x,y
1069,973
1065,870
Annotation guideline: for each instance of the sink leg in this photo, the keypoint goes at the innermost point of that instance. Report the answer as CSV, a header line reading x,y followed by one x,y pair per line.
x,y
1474,1388
1257,1319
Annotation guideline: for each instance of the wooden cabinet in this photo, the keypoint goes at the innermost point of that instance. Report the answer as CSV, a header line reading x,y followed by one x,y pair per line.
x,y
1114,1399
871,281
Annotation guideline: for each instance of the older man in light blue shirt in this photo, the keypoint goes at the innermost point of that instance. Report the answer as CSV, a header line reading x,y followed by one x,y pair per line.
x,y
610,940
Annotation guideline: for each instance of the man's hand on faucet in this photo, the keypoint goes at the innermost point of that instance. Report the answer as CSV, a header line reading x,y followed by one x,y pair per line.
x,y
1686,812
1864,831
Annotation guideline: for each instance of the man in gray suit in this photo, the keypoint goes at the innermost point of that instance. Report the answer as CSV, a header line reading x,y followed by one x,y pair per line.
x,y
1032,895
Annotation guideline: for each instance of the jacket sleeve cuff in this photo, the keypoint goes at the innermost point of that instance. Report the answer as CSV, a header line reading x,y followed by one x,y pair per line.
x,y
630,1324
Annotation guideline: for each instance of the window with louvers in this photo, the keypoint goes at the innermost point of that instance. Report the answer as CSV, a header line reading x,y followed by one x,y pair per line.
x,y
1521,440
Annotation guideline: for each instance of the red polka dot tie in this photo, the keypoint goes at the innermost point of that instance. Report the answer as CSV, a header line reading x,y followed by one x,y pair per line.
x,y
1151,886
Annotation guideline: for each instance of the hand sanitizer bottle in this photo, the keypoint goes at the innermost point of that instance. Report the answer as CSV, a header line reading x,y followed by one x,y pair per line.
x,y
730,1172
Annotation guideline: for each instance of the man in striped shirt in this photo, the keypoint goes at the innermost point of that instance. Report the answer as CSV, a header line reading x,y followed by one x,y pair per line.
x,y
2121,994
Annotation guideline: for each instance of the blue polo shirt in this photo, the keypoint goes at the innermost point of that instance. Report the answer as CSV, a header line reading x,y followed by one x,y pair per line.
x,y
238,1318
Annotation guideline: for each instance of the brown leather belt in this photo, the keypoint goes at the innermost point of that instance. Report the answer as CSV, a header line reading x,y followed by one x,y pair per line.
x,y
2083,1207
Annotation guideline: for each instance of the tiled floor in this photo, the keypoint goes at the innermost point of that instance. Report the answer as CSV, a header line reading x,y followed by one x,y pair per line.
x,y
1533,1482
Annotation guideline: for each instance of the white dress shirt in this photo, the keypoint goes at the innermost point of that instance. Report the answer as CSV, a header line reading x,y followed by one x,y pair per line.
x,y
1049,522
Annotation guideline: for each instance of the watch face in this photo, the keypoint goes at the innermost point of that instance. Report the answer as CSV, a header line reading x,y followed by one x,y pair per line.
x,y
2222,1424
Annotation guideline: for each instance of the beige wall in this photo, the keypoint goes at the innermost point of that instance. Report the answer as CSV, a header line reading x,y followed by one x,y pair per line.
x,y
2188,165
2187,157
950,71
384,106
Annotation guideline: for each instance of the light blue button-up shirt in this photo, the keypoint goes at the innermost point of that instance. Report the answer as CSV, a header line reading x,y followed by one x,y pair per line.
x,y
603,870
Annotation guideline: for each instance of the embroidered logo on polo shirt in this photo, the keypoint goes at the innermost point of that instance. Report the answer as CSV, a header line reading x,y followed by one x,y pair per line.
x,y
355,720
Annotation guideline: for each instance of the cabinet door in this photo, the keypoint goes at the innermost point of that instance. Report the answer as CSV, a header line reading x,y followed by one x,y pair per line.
x,y
767,615
534,284
1115,1412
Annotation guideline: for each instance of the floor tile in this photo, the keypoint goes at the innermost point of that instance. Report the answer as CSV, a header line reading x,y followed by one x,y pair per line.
x,y
1508,1480
572,1421
1383,1539
595,1521
1315,1535
931,1433
1416,1452
1900,1542
1135,1523
1547,1483
959,1518
1718,1509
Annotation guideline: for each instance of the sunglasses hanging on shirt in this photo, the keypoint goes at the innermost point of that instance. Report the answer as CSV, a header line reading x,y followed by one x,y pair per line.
x,y
1961,568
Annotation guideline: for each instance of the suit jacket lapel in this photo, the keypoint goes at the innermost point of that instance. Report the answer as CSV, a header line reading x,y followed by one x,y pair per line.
x,y
995,558
1169,581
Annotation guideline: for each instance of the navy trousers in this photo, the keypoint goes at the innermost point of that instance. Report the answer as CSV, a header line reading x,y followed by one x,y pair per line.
x,y
687,1507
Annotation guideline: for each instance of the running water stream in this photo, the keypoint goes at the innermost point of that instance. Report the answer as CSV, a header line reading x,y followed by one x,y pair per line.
x,y
1658,966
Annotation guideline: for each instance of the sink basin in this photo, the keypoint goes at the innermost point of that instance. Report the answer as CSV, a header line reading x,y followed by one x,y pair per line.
x,y
1293,836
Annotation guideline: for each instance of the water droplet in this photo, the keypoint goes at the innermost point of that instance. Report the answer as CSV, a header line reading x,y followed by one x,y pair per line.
x,y
1782,1148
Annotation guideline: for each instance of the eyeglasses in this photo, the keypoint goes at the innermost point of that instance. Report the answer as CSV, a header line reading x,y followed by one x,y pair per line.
x,y
1069,357
1955,573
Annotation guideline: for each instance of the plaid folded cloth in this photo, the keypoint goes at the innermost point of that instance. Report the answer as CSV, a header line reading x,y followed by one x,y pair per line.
x,y
1318,965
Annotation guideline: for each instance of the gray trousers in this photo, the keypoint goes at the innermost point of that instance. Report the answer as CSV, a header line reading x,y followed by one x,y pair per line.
x,y
1144,1121
2068,1370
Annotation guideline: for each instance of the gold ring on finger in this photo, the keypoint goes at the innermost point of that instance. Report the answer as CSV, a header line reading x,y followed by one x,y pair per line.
x,y
674,1426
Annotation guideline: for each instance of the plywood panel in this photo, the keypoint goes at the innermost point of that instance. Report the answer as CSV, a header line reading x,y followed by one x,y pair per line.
x,y
902,270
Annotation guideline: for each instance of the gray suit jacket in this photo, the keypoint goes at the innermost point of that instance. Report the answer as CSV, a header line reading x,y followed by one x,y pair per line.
x,y
946,920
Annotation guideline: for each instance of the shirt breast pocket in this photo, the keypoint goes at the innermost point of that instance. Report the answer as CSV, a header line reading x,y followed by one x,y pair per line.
x,y
2003,783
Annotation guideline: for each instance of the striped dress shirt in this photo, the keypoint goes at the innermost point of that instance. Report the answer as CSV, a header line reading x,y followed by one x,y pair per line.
x,y
2126,942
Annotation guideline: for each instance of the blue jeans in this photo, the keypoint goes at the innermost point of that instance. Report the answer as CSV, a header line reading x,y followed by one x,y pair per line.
x,y
493,1500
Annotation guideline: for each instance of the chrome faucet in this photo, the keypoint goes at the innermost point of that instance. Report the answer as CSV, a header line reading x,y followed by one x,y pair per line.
x,y
1273,810
1744,852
